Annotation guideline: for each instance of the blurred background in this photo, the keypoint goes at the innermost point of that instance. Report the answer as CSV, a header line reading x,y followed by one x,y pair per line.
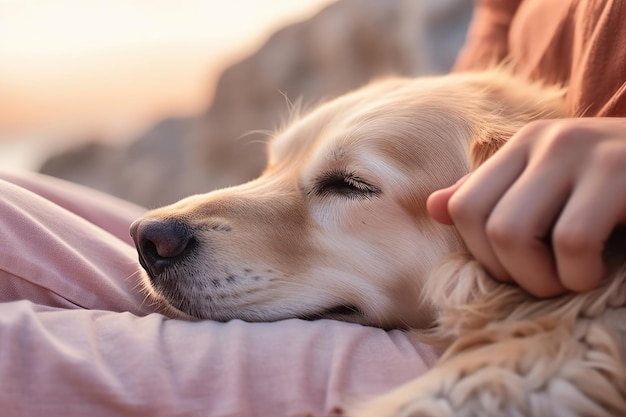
x,y
153,100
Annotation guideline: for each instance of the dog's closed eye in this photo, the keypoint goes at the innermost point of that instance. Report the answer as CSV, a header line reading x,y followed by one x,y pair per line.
x,y
344,184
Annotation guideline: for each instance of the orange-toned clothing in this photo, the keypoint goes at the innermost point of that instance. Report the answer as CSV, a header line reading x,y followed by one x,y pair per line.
x,y
578,43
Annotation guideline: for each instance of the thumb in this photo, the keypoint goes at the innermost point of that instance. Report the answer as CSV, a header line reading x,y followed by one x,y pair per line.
x,y
437,203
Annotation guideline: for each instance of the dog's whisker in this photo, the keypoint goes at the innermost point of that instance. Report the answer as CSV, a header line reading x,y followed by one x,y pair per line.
x,y
136,273
266,134
145,299
139,285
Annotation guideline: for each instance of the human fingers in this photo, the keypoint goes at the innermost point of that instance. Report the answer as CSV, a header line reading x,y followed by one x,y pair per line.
x,y
437,202
471,205
596,207
520,225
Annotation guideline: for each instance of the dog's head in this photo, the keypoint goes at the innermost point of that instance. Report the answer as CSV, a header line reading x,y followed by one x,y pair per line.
x,y
337,225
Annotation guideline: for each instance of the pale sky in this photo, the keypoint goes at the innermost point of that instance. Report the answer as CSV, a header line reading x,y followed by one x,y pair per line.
x,y
108,68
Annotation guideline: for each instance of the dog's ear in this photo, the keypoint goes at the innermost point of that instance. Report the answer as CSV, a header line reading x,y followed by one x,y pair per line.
x,y
507,104
482,149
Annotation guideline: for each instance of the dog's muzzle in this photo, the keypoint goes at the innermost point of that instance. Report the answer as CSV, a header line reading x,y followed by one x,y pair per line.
x,y
160,243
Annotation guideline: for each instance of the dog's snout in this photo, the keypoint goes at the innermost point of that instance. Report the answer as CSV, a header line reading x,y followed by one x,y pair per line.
x,y
160,242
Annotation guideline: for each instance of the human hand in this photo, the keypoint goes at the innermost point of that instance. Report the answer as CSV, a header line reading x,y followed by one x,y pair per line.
x,y
540,210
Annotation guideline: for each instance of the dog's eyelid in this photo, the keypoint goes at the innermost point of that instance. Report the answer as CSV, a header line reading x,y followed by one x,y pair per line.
x,y
344,184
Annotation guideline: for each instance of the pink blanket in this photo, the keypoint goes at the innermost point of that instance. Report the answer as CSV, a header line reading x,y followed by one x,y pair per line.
x,y
78,337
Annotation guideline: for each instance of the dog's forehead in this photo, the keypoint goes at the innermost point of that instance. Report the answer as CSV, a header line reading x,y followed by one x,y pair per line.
x,y
336,143
329,120
403,121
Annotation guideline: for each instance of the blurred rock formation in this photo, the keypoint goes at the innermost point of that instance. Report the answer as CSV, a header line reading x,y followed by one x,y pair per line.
x,y
341,48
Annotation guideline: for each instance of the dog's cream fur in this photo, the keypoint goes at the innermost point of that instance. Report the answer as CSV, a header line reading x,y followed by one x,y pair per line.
x,y
338,219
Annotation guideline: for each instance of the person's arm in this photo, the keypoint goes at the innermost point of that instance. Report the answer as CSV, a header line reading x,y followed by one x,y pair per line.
x,y
487,39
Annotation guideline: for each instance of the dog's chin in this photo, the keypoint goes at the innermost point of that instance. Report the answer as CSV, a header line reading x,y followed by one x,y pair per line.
x,y
175,309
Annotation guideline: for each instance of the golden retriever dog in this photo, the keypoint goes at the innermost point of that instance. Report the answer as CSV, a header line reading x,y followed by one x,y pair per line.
x,y
336,227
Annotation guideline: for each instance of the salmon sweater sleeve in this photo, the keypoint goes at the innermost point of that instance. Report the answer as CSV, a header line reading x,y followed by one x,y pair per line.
x,y
580,44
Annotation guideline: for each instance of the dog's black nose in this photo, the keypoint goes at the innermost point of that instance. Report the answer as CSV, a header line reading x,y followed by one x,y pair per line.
x,y
160,242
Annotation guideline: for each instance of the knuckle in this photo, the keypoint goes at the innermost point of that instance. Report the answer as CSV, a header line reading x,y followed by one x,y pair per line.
x,y
571,241
529,132
504,233
560,137
610,160
534,127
